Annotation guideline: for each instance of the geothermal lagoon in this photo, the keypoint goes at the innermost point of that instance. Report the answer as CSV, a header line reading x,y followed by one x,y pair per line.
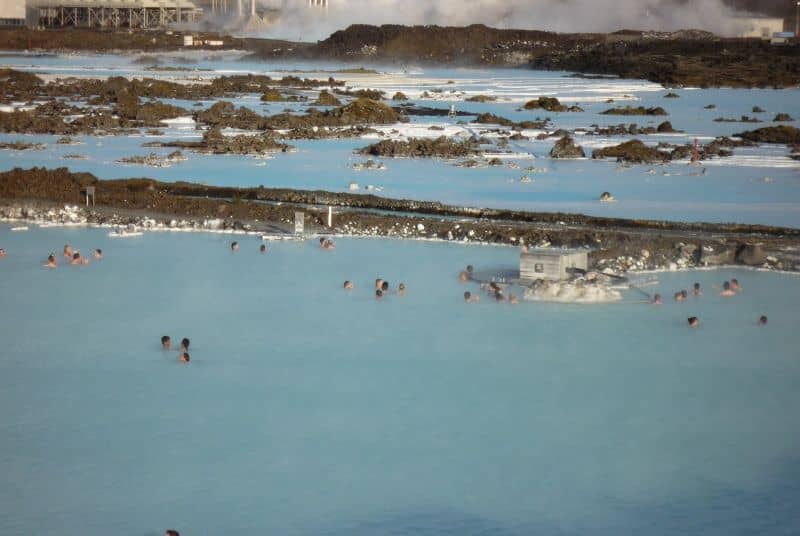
x,y
309,409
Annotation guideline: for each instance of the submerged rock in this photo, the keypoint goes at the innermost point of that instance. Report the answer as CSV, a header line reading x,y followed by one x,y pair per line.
x,y
272,95
481,98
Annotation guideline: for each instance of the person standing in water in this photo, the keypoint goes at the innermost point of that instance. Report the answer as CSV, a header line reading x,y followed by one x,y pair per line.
x,y
67,251
166,342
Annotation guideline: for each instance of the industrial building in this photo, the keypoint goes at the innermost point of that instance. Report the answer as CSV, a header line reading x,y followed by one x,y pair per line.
x,y
140,14
759,27
12,13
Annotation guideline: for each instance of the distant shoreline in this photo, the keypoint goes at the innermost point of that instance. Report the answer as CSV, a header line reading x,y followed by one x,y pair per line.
x,y
685,58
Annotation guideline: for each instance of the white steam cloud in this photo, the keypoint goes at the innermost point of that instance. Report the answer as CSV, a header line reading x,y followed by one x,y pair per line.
x,y
300,21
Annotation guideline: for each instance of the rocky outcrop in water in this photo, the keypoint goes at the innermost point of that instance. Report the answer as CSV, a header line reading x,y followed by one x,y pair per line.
x,y
422,147
566,148
21,146
491,119
327,99
638,110
782,117
783,134
550,104
633,151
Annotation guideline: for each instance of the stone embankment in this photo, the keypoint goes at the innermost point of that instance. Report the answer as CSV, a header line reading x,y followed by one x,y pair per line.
x,y
618,245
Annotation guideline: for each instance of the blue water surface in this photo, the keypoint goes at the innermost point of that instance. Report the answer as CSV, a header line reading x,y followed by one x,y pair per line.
x,y
307,409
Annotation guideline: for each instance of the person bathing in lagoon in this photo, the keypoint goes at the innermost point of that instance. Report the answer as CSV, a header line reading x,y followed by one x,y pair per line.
x,y
657,299
385,287
512,299
51,262
735,285
469,298
166,342
378,294
98,254
378,283
234,247
348,285
2,253
263,248
762,320
401,289
681,296
77,259
693,321
67,251
727,291
172,532
326,243
184,358
696,290
185,345
466,275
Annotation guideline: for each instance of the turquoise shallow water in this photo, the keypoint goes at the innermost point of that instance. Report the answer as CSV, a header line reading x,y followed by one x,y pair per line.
x,y
308,410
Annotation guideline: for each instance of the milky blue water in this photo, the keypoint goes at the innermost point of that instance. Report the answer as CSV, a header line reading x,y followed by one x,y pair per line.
x,y
310,410
757,185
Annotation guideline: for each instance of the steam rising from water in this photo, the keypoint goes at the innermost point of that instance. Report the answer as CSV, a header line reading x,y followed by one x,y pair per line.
x,y
299,21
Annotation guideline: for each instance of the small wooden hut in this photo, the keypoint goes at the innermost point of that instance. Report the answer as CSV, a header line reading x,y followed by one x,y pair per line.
x,y
552,264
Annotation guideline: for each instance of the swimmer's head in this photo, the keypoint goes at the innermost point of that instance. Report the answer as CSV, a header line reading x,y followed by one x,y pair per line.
x,y
234,246
762,321
263,248
684,293
379,293
696,286
379,283
185,357
2,252
321,240
51,258
467,295
166,342
726,285
469,268
185,343
385,286
402,286
171,532
693,321
76,256
735,283
657,298
348,285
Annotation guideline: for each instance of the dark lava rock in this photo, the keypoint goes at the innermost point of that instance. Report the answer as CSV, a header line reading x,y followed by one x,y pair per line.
x,y
751,255
671,95
566,148
639,110
481,98
491,119
327,99
781,134
632,151
758,110
272,95
783,117
551,104
422,147
666,126
399,96
709,106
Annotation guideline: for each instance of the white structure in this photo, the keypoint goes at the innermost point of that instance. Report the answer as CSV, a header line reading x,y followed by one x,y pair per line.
x,y
12,12
761,27
552,264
